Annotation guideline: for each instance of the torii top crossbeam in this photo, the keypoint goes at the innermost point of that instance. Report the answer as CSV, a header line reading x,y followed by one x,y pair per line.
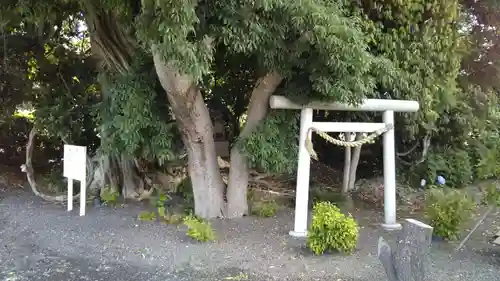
x,y
281,102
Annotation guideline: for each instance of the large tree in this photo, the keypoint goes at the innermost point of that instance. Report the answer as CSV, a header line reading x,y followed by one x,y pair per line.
x,y
314,49
283,37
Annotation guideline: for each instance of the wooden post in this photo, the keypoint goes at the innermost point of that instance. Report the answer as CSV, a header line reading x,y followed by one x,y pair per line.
x,y
408,261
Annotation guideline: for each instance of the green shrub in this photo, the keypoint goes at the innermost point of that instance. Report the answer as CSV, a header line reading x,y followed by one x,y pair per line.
x,y
162,212
158,201
492,195
168,217
147,216
173,218
199,229
453,164
447,210
487,152
485,141
265,208
331,230
109,195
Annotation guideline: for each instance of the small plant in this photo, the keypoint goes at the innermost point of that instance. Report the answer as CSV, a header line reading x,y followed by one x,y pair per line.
x,y
173,218
109,195
147,216
492,196
199,229
447,210
266,208
331,230
158,202
240,277
162,212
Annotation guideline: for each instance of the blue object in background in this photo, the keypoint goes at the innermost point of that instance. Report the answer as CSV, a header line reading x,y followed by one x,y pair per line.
x,y
440,180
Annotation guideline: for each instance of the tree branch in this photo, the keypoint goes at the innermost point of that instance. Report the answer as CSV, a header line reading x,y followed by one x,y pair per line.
x,y
30,174
426,143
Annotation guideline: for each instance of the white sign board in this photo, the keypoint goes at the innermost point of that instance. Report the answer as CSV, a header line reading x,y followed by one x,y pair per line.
x,y
75,162
75,168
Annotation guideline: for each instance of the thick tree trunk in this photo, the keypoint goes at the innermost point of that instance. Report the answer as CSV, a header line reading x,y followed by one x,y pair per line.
x,y
114,49
131,182
196,128
237,204
354,163
109,42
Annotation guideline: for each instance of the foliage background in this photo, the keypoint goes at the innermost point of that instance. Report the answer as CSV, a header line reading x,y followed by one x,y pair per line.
x,y
430,51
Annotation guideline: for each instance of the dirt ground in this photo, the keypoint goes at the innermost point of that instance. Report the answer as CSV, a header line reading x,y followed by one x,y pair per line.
x,y
42,241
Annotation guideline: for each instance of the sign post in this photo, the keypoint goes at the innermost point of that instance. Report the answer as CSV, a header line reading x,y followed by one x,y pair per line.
x,y
75,168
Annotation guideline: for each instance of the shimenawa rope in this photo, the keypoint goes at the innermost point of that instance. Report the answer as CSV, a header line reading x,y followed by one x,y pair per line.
x,y
330,139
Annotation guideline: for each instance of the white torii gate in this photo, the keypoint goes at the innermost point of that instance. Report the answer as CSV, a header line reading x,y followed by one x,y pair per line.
x,y
388,107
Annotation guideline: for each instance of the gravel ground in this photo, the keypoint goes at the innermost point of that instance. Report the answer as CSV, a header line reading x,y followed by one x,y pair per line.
x,y
40,241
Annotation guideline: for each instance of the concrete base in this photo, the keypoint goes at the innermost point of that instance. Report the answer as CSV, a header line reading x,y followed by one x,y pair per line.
x,y
301,234
497,241
392,227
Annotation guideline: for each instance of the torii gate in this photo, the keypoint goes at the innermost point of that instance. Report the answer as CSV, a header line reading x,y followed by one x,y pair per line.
x,y
388,107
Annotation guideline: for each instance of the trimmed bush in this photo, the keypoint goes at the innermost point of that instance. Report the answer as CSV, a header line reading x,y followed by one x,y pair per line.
x,y
331,230
109,195
447,210
198,229
147,216
265,208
